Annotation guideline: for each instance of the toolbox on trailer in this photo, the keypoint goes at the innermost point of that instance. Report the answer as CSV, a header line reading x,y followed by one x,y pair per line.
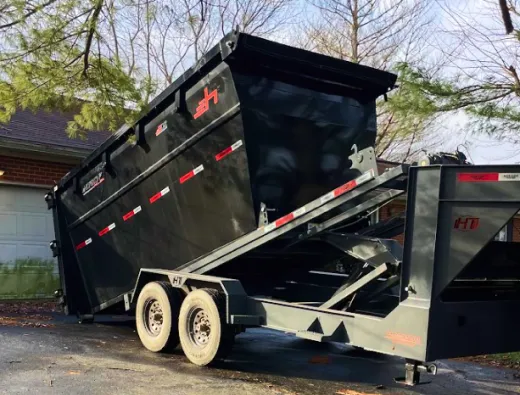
x,y
244,197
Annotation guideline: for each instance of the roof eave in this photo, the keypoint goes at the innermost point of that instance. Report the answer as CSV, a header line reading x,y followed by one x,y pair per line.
x,y
56,152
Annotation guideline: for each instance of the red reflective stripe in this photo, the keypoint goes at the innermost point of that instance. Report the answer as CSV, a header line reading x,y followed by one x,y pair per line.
x,y
224,153
228,150
284,220
103,231
155,197
478,177
128,215
191,174
186,177
159,195
107,229
345,188
83,244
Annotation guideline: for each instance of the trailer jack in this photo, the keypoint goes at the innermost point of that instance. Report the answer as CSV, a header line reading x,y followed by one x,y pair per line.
x,y
413,370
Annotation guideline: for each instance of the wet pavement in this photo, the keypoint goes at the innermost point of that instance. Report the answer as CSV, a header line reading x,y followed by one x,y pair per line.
x,y
107,358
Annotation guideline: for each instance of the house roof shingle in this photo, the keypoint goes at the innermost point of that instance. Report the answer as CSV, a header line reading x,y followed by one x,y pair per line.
x,y
48,129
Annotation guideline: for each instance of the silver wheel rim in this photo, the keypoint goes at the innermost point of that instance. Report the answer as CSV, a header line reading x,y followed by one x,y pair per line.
x,y
199,327
153,317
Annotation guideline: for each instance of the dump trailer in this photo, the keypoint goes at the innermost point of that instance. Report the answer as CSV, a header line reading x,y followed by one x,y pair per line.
x,y
244,198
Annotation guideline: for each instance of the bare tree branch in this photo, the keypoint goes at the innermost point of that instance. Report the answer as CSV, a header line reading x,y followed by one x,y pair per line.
x,y
506,16
90,35
29,13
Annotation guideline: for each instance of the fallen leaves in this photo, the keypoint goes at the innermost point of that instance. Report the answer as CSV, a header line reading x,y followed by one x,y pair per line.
x,y
23,308
508,360
320,360
27,314
73,372
29,321
353,392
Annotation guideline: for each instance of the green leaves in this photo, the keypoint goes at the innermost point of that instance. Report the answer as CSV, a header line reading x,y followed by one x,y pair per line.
x,y
61,67
492,104
105,59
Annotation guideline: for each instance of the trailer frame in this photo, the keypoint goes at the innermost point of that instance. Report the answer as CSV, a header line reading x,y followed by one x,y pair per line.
x,y
406,330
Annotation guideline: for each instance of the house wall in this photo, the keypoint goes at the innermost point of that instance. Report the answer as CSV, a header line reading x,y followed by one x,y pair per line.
x,y
515,232
34,276
390,210
32,171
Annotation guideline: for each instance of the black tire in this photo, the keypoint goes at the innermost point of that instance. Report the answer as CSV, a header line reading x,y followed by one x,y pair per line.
x,y
204,335
159,334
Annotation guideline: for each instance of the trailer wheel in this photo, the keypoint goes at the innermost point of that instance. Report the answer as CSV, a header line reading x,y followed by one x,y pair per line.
x,y
204,335
156,316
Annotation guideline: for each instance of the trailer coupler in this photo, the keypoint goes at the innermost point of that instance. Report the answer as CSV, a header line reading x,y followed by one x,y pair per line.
x,y
413,370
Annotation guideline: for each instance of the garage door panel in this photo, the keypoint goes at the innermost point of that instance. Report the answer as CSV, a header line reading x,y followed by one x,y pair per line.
x,y
7,199
33,226
34,251
8,253
22,199
35,200
26,227
49,224
7,225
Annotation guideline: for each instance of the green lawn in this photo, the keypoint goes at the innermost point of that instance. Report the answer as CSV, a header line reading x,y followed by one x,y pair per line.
x,y
512,357
508,360
28,279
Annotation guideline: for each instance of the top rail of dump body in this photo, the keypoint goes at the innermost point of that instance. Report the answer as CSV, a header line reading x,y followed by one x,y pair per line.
x,y
256,55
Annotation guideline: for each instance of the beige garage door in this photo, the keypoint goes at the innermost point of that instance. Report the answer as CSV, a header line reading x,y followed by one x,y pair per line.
x,y
27,268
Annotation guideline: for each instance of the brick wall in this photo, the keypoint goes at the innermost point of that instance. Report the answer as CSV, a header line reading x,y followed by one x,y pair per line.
x,y
32,171
515,231
392,209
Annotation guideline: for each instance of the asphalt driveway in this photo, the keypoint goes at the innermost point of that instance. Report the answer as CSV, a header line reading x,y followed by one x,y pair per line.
x,y
106,357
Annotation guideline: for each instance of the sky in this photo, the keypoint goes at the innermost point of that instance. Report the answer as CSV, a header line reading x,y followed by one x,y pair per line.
x,y
454,130
480,149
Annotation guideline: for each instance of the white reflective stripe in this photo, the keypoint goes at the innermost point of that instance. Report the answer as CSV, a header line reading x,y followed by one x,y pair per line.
x,y
111,226
325,198
237,145
198,169
360,180
269,227
365,177
55,188
508,176
165,191
137,209
299,212
88,241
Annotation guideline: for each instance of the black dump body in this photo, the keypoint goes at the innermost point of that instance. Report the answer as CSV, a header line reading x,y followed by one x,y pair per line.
x,y
253,122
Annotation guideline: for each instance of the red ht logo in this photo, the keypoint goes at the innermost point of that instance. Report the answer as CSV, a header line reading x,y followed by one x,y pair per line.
x,y
204,103
466,223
